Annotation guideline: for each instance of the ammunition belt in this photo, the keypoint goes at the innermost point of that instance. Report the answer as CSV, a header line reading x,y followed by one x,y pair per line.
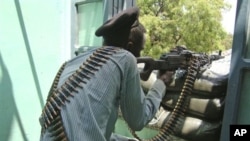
x,y
56,80
168,128
51,118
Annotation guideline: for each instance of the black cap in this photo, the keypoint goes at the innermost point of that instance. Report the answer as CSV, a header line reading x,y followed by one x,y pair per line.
x,y
117,29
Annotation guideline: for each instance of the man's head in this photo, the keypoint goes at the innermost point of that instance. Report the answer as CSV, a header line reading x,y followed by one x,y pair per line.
x,y
116,30
136,39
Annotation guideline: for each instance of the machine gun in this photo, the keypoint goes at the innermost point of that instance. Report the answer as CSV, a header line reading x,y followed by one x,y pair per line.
x,y
186,61
171,61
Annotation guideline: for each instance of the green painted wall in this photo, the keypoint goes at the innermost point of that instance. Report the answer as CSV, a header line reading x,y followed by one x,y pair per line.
x,y
35,39
33,44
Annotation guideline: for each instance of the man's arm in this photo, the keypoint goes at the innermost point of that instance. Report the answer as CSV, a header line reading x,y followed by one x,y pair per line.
x,y
137,108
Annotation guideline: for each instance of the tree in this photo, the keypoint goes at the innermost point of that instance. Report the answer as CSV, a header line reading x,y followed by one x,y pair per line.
x,y
195,24
228,41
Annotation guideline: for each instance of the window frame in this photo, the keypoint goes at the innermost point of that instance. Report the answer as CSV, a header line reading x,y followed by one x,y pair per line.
x,y
108,12
239,64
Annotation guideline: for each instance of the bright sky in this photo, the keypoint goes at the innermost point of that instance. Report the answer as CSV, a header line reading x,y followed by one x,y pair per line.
x,y
229,17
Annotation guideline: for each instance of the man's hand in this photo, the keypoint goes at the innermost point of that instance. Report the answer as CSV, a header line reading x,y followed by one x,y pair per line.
x,y
165,76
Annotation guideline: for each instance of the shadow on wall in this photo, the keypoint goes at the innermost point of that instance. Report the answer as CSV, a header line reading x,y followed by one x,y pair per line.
x,y
27,45
8,108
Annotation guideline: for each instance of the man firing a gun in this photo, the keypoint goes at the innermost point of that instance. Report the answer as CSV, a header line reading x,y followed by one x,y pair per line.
x,y
84,101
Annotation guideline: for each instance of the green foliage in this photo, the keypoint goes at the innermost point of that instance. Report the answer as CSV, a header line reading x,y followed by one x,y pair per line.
x,y
195,24
228,41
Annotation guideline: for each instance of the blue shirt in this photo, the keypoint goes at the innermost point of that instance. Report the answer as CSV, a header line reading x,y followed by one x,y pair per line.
x,y
92,113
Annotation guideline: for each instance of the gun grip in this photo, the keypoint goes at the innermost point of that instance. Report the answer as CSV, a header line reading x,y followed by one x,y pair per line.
x,y
148,67
145,75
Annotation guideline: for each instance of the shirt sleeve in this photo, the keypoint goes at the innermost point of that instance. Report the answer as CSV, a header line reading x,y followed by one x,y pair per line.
x,y
137,108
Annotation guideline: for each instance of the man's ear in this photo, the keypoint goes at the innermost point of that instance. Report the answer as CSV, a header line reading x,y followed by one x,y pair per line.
x,y
130,45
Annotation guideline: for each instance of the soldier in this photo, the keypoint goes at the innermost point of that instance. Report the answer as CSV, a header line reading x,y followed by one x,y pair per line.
x,y
92,86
